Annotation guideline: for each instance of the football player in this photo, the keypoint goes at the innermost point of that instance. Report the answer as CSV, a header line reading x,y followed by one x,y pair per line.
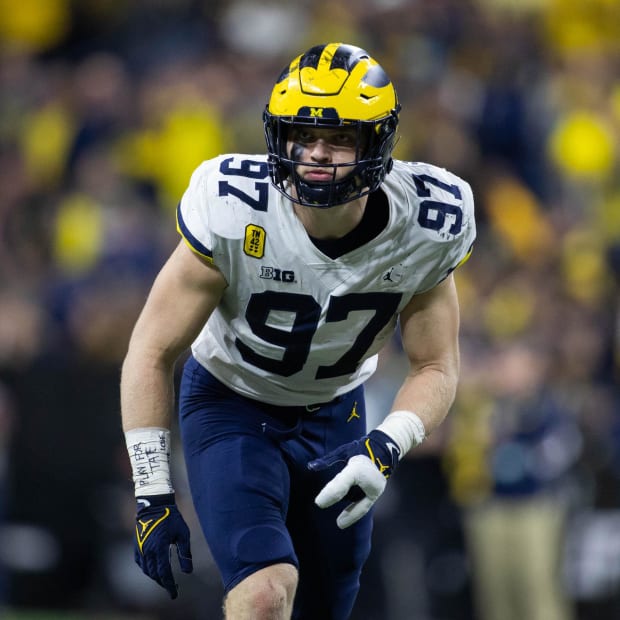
x,y
293,271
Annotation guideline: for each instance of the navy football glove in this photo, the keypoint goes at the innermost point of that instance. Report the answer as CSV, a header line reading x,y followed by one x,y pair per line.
x,y
369,462
159,525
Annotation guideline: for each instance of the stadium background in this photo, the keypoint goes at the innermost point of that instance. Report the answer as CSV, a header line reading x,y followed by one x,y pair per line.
x,y
105,109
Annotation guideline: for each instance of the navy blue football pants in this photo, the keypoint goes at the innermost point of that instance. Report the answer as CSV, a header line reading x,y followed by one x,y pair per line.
x,y
254,496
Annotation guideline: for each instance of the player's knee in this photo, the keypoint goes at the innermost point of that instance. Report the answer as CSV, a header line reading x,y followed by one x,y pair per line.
x,y
274,589
269,593
272,598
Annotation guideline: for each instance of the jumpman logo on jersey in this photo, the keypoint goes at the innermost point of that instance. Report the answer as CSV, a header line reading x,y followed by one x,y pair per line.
x,y
354,413
394,274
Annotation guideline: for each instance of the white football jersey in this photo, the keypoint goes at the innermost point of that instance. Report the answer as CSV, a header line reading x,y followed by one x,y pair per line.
x,y
295,327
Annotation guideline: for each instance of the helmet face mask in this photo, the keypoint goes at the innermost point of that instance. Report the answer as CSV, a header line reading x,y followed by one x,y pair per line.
x,y
332,86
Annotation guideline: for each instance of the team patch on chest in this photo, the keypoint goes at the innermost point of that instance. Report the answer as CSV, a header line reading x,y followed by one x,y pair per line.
x,y
254,244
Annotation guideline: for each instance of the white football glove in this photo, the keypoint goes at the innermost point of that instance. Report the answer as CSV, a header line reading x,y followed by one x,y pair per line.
x,y
369,460
359,471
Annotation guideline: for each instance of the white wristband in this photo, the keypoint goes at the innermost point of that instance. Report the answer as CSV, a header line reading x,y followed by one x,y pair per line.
x,y
405,428
149,454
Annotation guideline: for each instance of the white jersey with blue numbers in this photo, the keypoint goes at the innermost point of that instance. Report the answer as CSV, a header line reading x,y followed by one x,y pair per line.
x,y
295,327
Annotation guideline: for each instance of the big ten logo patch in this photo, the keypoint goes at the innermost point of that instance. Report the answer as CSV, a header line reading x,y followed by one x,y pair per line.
x,y
279,275
254,244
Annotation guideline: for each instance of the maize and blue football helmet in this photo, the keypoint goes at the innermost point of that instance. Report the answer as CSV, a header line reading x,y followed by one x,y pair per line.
x,y
332,85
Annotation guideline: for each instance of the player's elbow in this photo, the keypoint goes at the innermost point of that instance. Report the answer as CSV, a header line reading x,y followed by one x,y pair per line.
x,y
441,373
447,366
147,348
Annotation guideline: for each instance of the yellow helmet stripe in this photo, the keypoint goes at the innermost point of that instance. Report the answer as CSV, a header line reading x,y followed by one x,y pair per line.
x,y
325,61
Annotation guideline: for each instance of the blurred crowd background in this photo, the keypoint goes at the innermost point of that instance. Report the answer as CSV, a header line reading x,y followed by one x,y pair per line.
x,y
512,509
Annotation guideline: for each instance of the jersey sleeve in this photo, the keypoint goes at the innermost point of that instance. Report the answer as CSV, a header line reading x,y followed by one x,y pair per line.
x,y
446,220
193,215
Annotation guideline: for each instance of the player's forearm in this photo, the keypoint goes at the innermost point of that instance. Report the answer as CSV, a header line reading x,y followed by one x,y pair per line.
x,y
421,404
147,391
147,398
